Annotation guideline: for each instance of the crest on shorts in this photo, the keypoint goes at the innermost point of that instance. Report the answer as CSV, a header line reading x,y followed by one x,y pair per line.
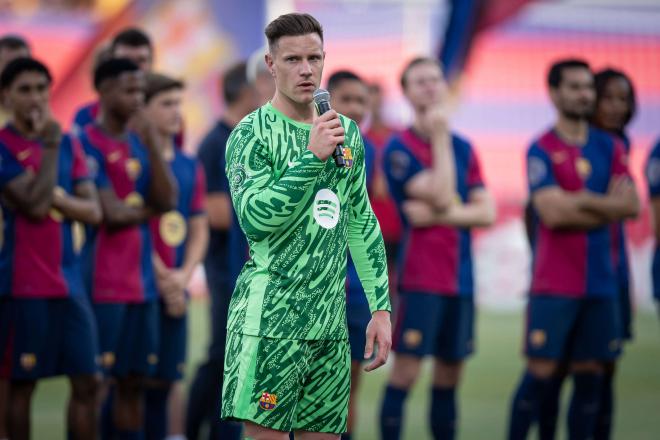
x,y
412,338
537,338
28,361
268,401
348,157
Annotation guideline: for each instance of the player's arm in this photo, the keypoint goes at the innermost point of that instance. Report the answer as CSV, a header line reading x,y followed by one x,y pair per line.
x,y
436,186
479,211
162,193
263,203
367,249
31,194
218,200
117,214
83,205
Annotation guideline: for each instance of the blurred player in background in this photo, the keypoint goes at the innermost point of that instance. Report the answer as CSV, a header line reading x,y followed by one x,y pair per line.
x,y
379,134
11,47
435,178
134,184
130,43
45,187
180,239
653,181
260,77
580,187
614,109
228,251
287,362
349,97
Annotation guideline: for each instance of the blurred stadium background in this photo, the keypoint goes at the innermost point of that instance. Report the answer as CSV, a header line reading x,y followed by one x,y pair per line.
x,y
497,52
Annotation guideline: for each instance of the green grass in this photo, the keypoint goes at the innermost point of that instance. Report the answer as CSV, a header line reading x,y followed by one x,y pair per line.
x,y
489,380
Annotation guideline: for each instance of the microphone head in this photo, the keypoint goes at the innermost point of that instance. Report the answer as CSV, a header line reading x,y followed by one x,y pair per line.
x,y
321,95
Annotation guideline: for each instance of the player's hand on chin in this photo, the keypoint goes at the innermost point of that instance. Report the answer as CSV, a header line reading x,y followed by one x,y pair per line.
x,y
379,333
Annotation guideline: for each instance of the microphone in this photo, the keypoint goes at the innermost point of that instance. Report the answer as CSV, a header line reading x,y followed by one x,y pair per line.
x,y
322,101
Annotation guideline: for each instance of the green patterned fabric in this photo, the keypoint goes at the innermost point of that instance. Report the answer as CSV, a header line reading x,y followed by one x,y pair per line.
x,y
299,214
287,384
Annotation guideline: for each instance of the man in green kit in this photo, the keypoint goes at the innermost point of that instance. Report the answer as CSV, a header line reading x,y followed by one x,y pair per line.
x,y
287,362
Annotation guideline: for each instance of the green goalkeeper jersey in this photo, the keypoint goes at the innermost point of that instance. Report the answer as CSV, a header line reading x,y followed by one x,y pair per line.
x,y
299,215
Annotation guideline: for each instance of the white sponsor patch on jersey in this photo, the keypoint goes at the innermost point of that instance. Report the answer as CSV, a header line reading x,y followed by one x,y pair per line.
x,y
326,209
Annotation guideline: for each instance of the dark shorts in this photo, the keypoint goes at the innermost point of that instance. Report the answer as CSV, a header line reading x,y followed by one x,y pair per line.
x,y
358,316
625,309
5,332
172,350
437,325
128,336
51,337
573,329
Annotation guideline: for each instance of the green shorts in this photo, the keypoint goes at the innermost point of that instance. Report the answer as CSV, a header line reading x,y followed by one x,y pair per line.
x,y
287,385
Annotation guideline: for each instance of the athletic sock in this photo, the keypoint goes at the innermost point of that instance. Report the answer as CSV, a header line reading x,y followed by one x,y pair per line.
x,y
391,413
130,435
443,413
524,408
107,420
584,405
606,410
549,408
155,413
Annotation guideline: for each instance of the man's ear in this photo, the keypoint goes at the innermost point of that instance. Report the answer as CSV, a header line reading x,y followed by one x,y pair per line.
x,y
269,63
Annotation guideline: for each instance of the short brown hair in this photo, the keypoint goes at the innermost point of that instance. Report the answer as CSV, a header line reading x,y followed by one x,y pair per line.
x,y
292,25
157,83
416,62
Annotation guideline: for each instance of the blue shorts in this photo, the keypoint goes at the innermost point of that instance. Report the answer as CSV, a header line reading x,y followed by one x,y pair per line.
x,y
582,329
128,336
172,350
5,331
358,316
625,309
437,325
51,337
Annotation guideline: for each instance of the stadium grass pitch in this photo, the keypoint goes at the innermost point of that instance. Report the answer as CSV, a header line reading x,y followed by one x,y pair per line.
x,y
489,380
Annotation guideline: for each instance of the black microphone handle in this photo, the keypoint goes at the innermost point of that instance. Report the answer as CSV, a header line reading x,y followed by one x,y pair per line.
x,y
338,154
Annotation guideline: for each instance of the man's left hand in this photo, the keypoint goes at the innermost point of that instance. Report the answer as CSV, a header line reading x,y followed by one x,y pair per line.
x,y
379,331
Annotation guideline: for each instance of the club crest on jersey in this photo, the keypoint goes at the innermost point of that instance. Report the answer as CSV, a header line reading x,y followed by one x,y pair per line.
x,y
348,156
583,167
133,168
268,401
172,228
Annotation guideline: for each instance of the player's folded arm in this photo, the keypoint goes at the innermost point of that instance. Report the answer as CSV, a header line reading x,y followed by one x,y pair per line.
x,y
559,209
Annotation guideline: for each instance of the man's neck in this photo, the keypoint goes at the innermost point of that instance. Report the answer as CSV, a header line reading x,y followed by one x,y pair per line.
x,y
112,126
573,131
418,127
165,143
23,128
233,115
298,112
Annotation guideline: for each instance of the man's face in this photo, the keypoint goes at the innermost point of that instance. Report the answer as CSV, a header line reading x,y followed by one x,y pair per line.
x,y
614,106
425,86
27,97
351,98
140,55
297,65
164,111
8,55
124,96
576,95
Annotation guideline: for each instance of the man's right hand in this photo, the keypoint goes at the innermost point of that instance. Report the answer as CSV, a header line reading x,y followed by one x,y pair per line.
x,y
327,132
46,128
